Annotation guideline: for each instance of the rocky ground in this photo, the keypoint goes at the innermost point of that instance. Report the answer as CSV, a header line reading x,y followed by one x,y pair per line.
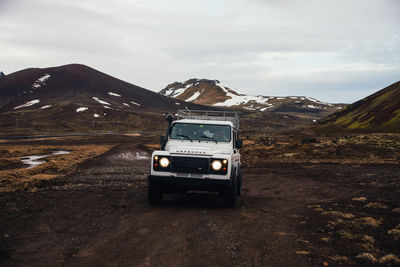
x,y
296,209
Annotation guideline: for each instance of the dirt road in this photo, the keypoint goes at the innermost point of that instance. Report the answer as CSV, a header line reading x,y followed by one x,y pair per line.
x,y
290,214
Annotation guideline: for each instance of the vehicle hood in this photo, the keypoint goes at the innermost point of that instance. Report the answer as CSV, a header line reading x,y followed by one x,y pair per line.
x,y
198,148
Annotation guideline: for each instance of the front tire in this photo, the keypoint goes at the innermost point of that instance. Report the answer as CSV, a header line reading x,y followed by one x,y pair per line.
x,y
154,193
239,181
229,193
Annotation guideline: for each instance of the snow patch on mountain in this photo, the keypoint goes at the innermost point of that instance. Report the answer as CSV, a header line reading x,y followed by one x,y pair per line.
x,y
193,97
172,92
126,104
41,81
113,94
238,99
100,101
137,104
28,104
312,106
81,109
46,106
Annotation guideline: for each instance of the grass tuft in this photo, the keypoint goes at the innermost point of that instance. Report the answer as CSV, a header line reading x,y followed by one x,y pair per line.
x,y
338,214
367,221
366,258
375,205
390,259
360,199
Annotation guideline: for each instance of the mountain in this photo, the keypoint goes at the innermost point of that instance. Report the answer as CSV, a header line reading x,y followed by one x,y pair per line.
x,y
213,93
76,97
78,85
379,112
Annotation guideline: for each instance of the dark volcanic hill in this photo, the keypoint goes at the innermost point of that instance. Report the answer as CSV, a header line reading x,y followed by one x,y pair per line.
x,y
79,85
76,97
213,93
379,112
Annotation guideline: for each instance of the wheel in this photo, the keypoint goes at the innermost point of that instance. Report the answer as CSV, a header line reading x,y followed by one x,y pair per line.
x,y
154,193
239,181
229,193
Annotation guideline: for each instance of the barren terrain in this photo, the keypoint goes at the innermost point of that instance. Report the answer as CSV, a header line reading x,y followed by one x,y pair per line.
x,y
306,201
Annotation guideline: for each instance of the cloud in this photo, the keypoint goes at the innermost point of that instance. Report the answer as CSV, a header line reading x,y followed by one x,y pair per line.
x,y
258,46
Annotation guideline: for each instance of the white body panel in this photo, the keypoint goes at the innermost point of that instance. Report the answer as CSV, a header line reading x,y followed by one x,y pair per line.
x,y
201,149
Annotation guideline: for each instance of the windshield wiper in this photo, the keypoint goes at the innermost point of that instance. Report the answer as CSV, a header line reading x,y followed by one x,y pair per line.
x,y
209,138
182,135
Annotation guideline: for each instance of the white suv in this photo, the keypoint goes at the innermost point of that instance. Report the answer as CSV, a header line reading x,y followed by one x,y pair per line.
x,y
200,151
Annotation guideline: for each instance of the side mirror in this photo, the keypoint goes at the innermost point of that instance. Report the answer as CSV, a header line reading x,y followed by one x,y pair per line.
x,y
239,143
170,117
162,138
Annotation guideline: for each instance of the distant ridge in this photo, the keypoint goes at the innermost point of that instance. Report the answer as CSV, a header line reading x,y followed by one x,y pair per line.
x,y
214,93
379,112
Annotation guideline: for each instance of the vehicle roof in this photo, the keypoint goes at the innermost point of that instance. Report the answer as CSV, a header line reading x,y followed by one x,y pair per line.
x,y
205,122
210,115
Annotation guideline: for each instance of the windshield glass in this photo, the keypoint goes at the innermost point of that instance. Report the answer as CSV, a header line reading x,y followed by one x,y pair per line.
x,y
206,132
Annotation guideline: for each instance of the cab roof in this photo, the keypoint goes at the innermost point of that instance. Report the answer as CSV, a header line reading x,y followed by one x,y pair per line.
x,y
213,122
210,115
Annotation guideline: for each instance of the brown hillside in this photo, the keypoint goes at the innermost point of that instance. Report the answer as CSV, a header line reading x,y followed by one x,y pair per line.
x,y
78,98
76,84
379,112
214,93
209,92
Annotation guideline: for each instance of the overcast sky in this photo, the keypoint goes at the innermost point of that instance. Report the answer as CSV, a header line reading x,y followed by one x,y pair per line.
x,y
335,51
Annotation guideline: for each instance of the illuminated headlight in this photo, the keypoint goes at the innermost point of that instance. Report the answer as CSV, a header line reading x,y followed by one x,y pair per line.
x,y
216,165
164,162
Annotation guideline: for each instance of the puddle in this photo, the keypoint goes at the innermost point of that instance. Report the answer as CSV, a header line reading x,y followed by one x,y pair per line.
x,y
36,160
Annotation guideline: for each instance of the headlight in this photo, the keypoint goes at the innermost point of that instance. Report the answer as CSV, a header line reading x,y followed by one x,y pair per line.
x,y
216,165
164,162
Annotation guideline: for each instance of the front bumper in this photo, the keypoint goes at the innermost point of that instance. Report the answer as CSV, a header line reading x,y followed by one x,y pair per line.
x,y
190,183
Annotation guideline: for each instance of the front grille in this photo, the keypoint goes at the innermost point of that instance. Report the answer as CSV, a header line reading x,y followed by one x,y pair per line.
x,y
190,165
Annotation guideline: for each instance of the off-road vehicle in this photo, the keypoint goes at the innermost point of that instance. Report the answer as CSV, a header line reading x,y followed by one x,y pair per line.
x,y
200,151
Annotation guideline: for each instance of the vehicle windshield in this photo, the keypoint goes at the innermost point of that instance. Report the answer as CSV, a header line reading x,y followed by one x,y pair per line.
x,y
203,132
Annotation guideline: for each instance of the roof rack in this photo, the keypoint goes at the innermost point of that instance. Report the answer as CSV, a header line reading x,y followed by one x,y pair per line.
x,y
210,115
